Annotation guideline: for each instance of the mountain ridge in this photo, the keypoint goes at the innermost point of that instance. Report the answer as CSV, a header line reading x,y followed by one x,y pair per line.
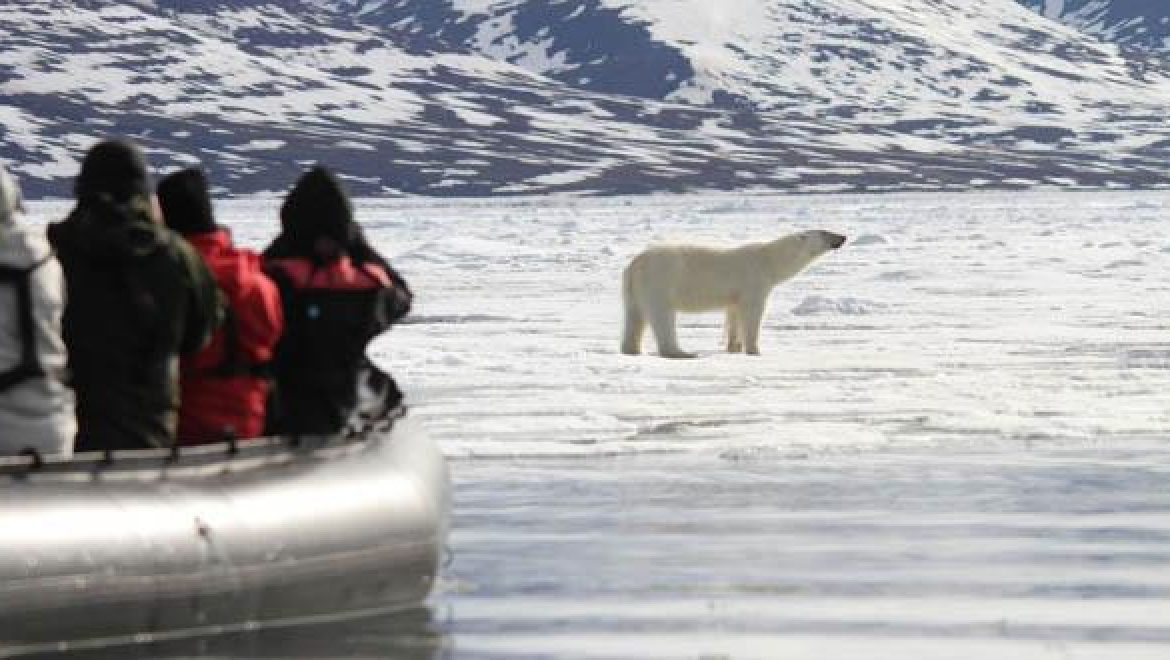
x,y
1137,24
490,97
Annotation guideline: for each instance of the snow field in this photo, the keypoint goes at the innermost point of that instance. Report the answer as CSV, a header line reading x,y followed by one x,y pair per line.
x,y
966,320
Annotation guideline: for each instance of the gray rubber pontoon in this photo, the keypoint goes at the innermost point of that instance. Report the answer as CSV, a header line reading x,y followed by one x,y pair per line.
x,y
152,545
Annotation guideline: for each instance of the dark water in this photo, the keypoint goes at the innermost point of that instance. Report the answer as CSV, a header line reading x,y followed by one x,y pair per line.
x,y
1028,554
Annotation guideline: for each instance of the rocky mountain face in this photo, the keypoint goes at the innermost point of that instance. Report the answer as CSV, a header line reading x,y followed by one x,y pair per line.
x,y
495,97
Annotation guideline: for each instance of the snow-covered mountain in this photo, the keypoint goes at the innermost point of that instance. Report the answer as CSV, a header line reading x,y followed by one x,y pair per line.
x,y
1141,24
477,97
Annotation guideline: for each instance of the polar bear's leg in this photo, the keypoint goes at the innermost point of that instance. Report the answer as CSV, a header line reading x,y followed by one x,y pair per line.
x,y
633,329
634,324
662,319
733,330
751,317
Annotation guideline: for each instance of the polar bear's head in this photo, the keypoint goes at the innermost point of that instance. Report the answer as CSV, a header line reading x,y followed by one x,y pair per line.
x,y
808,245
791,254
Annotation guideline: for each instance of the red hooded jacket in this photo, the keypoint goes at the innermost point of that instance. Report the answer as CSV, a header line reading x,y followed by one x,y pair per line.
x,y
222,394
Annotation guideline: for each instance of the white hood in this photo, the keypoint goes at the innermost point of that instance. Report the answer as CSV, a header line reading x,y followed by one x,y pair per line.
x,y
11,201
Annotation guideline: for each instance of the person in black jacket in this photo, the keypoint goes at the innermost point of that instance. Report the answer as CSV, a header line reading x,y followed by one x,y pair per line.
x,y
338,294
138,296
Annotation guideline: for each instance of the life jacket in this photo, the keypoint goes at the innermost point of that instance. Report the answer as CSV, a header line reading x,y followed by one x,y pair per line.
x,y
29,366
332,311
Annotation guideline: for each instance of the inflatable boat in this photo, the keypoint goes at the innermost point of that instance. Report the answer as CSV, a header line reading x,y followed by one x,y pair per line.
x,y
109,548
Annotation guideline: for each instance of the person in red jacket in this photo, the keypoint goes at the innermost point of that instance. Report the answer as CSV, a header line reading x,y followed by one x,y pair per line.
x,y
224,387
338,294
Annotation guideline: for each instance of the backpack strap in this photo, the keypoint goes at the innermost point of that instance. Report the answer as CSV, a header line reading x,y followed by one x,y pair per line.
x,y
233,359
234,364
29,366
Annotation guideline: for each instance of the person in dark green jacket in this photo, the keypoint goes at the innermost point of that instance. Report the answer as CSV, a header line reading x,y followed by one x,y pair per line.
x,y
138,296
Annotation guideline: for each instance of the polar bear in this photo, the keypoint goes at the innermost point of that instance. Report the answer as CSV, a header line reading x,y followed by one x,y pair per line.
x,y
664,280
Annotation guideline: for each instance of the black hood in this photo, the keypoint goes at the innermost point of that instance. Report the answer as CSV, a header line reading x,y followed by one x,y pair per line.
x,y
115,168
317,211
186,202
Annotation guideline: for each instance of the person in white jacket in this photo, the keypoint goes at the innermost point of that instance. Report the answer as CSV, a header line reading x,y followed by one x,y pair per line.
x,y
36,404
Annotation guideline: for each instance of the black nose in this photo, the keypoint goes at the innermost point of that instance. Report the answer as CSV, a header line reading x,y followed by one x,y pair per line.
x,y
836,240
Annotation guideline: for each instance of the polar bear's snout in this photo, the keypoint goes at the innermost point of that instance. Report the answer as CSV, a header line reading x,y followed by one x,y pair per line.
x,y
833,240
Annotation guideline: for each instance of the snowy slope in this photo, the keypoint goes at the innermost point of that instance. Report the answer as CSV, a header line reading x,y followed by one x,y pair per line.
x,y
1140,24
477,97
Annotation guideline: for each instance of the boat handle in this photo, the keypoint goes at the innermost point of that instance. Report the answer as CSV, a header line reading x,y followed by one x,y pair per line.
x,y
37,460
233,443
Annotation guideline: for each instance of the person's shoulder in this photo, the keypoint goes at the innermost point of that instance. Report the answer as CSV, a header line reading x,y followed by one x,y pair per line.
x,y
178,254
174,245
238,268
23,246
247,257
